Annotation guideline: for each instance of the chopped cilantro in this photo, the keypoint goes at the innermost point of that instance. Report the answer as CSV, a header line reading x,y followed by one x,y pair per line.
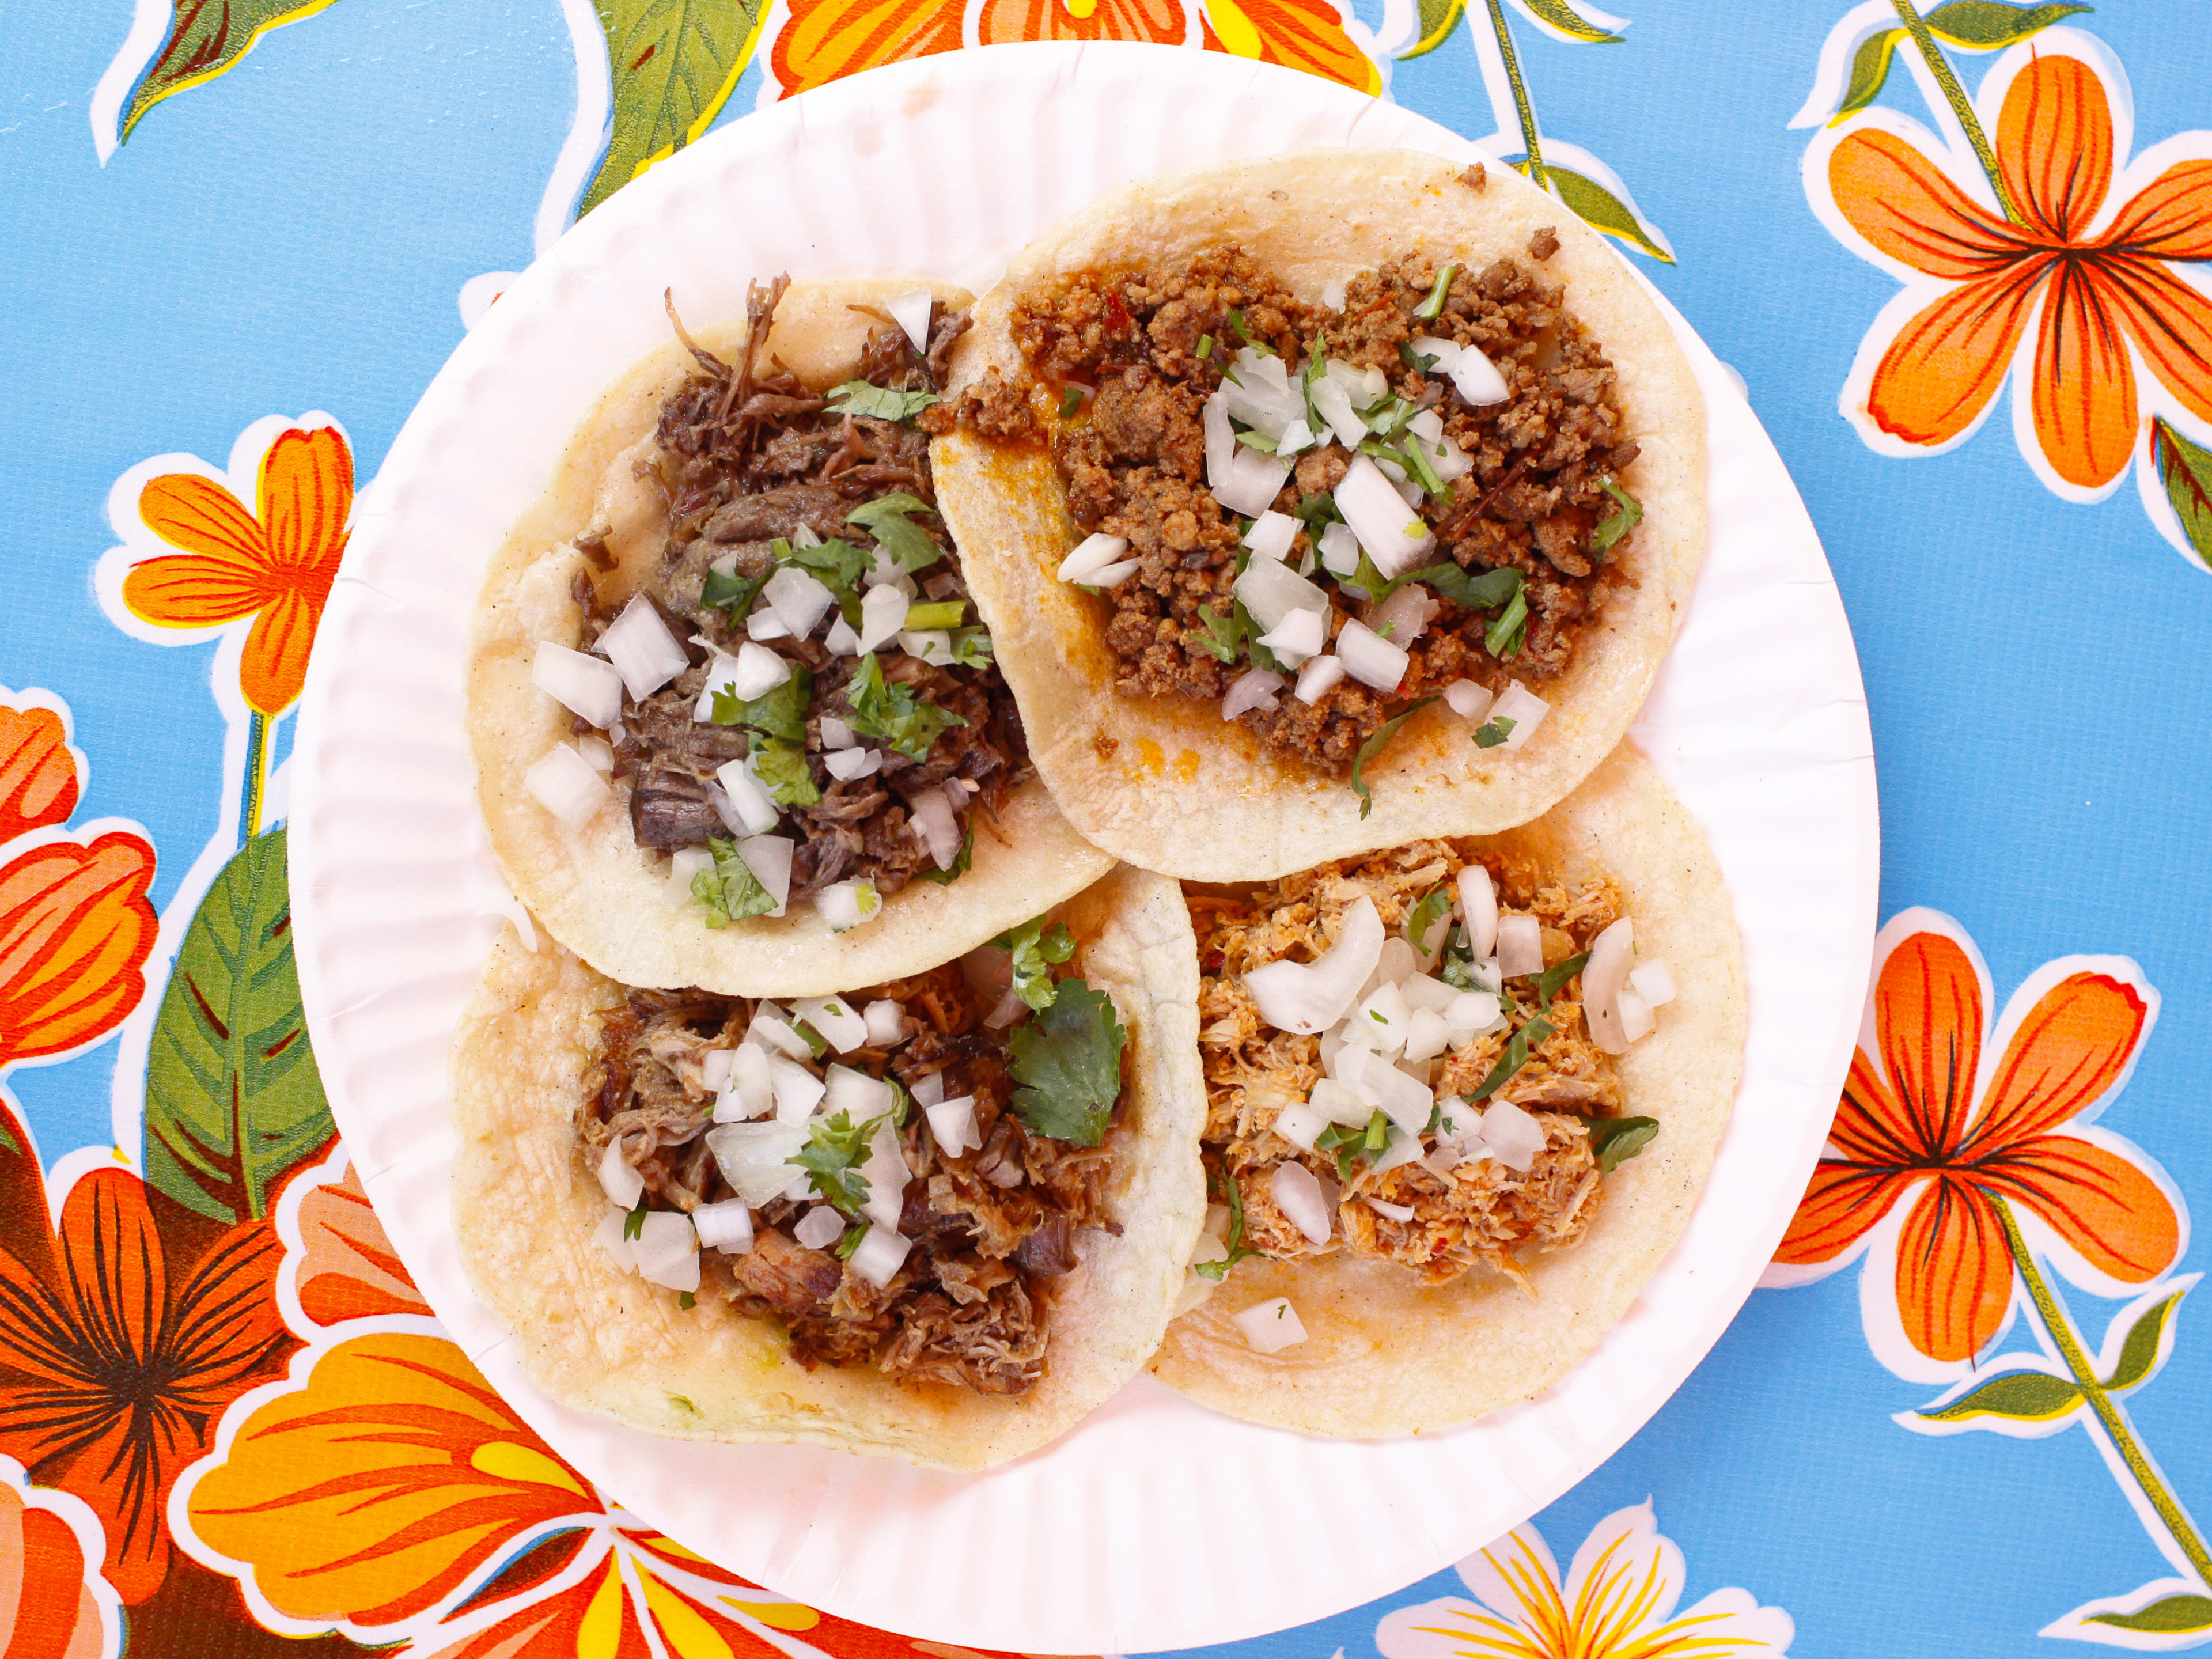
x,y
1617,1140
839,564
882,402
1478,591
1618,523
1238,1251
778,713
1069,1061
1549,982
816,1043
893,712
835,1147
730,891
1244,334
1433,307
961,861
944,613
1258,440
634,1223
1223,636
685,1300
888,519
732,593
1419,361
1034,948
1515,1057
851,1241
1509,629
1494,731
1422,923
1373,746
1458,968
782,769
1423,469
971,648
1260,655
1070,401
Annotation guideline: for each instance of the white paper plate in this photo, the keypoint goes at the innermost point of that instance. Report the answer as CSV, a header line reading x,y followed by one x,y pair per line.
x,y
1155,1524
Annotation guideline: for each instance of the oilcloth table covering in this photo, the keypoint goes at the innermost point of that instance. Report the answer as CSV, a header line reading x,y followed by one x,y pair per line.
x,y
1966,1416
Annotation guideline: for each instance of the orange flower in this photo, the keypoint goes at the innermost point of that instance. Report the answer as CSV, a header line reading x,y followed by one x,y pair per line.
x,y
39,782
274,565
75,929
111,1377
346,1268
56,1609
2101,293
1920,1119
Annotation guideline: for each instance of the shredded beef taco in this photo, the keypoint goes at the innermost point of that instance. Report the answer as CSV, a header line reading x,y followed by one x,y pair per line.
x,y
1461,1095
1320,502
938,1217
735,722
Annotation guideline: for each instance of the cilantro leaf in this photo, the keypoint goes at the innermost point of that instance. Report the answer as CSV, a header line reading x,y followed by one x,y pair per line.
x,y
1419,361
1617,1140
687,1300
732,593
1509,629
1071,401
886,520
1421,925
1258,440
859,398
1482,591
971,648
834,1147
893,712
1494,731
730,891
1260,655
1618,523
1238,1249
1224,637
1549,982
851,1241
778,713
839,564
782,769
1373,746
961,860
1515,1057
634,1223
1458,968
1069,1061
1034,948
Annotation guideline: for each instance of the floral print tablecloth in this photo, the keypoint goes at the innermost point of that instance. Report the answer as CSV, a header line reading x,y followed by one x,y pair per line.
x,y
1959,255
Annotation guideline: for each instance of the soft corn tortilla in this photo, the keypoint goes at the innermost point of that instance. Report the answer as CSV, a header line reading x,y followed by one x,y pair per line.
x,y
600,1339
1166,782
595,889
1383,1357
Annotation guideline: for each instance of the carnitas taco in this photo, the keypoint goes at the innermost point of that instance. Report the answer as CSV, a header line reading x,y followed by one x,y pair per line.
x,y
734,721
1461,1095
1322,503
938,1217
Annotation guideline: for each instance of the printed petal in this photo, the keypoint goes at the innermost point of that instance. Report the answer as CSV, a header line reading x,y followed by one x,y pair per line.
x,y
2070,1048
1156,20
39,782
1626,1576
2170,218
1905,206
823,39
1451,1627
2084,396
200,516
1953,1270
45,1585
347,1268
307,491
179,590
2099,1202
1842,1203
1301,35
1870,1126
595,1619
1928,1016
1947,362
274,666
2054,143
2169,321
75,929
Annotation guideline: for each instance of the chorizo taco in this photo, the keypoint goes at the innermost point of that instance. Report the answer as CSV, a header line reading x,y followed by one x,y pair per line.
x,y
938,1218
1462,1096
734,721
1320,503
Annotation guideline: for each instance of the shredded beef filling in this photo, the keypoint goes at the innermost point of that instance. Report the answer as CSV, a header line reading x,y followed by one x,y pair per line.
x,y
1134,461
747,456
993,1226
1476,1214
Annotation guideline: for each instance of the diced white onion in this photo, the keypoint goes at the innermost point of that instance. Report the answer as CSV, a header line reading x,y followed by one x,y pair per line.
x,y
1477,908
847,764
940,829
608,1235
1524,708
1381,1021
1513,1137
727,1226
1405,1148
1340,550
1391,1212
1333,404
622,1185
1318,678
797,1090
1612,952
1297,436
685,865
841,639
797,598
1271,535
1336,1102
759,671
568,785
1427,1035
770,1031
1299,1124
644,652
1221,444
910,311
1449,460
1370,659
1092,555
842,1026
1406,1100
1421,991
598,753
930,1089
714,1066
886,1024
1254,480
1476,379
804,537
835,734
1297,1192
1256,688
668,1251
750,1090
1520,946
1272,591
1473,1012
1636,1020
1332,294
848,903
1301,635
721,676
854,1095
1653,980
886,1174
1306,997
756,812
587,687
754,1158
880,1254
882,613
953,1122
1270,1326
768,857
1392,534
819,1228
1468,701
1114,574
1404,615
1445,352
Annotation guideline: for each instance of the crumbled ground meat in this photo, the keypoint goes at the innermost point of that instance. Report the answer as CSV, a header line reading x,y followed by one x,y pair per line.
x,y
1133,462
1474,1213
746,455
993,1226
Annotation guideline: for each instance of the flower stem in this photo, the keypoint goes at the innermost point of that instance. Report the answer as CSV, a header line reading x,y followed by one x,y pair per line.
x,y
257,772
2055,1321
1520,93
1945,77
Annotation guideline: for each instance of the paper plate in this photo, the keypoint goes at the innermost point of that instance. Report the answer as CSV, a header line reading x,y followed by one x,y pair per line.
x,y
1155,1524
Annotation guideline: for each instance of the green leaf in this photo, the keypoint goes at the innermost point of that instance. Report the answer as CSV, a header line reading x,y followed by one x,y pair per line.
x,y
1549,982
1219,1270
233,1102
2139,1351
893,712
730,891
1515,1057
2016,1396
1422,920
2170,1615
1432,307
1069,1061
1618,523
1494,731
1509,628
780,713
634,1223
675,63
943,615
1373,746
839,564
1248,626
731,592
1600,208
1438,19
1987,25
1869,72
961,861
1617,1140
1223,636
880,403
971,648
1563,17
2185,469
1034,948
206,38
1480,591
834,1147
782,769
886,520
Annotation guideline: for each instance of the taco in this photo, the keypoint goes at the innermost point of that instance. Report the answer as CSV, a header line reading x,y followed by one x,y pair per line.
x,y
938,1218
727,697
1462,1096
1319,503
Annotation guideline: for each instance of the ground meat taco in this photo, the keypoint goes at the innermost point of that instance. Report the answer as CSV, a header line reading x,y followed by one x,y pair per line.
x,y
1320,502
1462,1096
940,1219
734,721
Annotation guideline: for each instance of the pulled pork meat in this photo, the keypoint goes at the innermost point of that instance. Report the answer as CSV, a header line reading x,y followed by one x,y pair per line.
x,y
747,458
993,1226
1465,1214
1133,459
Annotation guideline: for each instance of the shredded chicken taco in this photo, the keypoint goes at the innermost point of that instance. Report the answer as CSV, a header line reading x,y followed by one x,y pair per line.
x,y
735,721
1320,502
938,1217
1461,1095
